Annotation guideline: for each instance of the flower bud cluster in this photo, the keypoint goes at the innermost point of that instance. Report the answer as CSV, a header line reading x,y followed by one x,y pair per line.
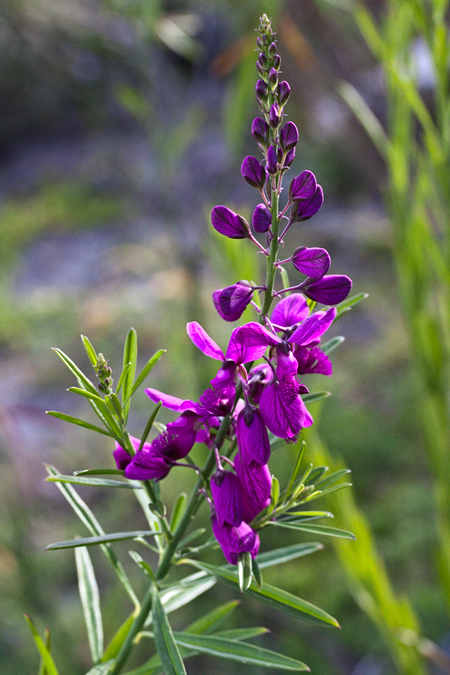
x,y
104,374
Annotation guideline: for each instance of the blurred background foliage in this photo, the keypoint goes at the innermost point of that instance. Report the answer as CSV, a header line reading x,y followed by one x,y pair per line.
x,y
122,122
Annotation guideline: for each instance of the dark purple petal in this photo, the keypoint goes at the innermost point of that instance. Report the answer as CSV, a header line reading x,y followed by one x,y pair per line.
x,y
256,481
260,130
170,402
313,327
231,302
249,342
289,157
259,376
253,172
121,457
216,401
303,186
252,438
274,116
235,540
283,410
312,361
227,497
283,91
272,160
286,364
201,339
225,375
261,218
179,437
229,223
329,290
261,91
314,262
148,465
289,136
291,310
303,210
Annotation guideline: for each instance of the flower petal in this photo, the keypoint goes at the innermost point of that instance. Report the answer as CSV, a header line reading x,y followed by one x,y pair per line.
x,y
147,465
282,408
256,481
330,289
253,172
303,186
201,339
229,223
290,310
227,497
313,327
314,262
252,438
312,361
170,402
231,301
249,342
305,209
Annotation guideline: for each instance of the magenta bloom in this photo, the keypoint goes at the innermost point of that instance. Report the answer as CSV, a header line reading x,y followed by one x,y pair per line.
x,y
282,408
231,302
256,481
290,310
303,186
148,464
312,360
314,262
330,289
253,172
227,497
261,218
122,457
235,540
252,437
229,223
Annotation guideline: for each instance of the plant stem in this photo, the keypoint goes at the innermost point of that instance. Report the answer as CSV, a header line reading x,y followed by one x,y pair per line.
x,y
136,626
271,269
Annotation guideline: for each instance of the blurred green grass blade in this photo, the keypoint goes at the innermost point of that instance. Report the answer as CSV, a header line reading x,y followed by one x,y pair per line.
x,y
365,116
315,396
87,517
95,482
80,423
346,305
332,478
43,651
330,345
103,539
90,351
238,651
129,356
117,640
99,472
47,642
275,597
164,640
178,510
211,620
102,668
315,529
287,553
90,600
147,369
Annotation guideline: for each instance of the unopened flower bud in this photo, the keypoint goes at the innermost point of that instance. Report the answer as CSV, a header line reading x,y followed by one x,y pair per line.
x,y
228,223
289,136
289,158
306,208
273,79
253,172
330,289
231,302
303,186
314,262
283,93
259,43
260,131
260,70
274,116
261,218
276,62
262,60
261,91
272,50
272,160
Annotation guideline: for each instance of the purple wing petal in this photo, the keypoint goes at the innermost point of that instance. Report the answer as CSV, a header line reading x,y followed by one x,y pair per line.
x,y
231,302
229,223
282,408
261,218
171,402
256,481
201,339
290,310
303,186
249,342
314,262
312,361
253,440
289,136
313,327
253,172
227,497
147,465
329,290
121,457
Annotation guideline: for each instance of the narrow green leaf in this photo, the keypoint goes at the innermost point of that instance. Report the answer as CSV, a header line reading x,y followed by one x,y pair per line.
x,y
187,590
285,279
99,472
43,651
103,539
90,351
345,305
366,117
275,493
102,668
334,488
206,623
129,356
192,536
123,374
90,600
275,597
42,668
117,640
238,651
178,511
315,396
80,423
84,381
116,405
332,478
149,425
164,640
256,571
316,474
330,345
95,482
147,369
240,633
244,571
296,468
86,394
286,554
307,515
145,567
87,517
316,529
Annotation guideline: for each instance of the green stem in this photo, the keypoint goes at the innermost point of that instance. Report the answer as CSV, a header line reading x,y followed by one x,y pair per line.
x,y
136,626
271,269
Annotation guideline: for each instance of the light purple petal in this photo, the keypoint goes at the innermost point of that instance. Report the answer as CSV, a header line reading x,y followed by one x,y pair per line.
x,y
229,223
282,408
252,439
290,310
227,497
171,402
314,262
256,481
201,339
305,209
249,342
313,327
329,290
303,186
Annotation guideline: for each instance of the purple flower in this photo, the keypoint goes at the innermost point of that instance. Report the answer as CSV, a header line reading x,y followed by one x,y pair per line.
x,y
256,481
253,172
227,497
260,131
313,327
330,289
290,311
314,262
235,540
122,457
274,116
289,136
272,160
303,186
305,209
231,302
252,437
283,92
259,376
261,218
282,408
148,464
312,360
289,158
228,223
261,91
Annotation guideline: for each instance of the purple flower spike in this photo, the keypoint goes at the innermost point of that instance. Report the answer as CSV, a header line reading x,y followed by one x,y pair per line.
x,y
330,289
314,262
227,497
283,92
256,481
303,186
231,302
305,209
289,136
272,160
252,437
235,540
228,223
291,310
260,131
261,218
253,172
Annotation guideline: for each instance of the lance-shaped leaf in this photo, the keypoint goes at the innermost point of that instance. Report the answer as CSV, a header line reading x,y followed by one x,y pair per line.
x,y
90,351
42,668
147,369
117,640
90,600
43,651
102,539
346,305
95,482
275,597
81,423
238,651
286,554
315,396
329,346
129,357
164,639
316,529
102,668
